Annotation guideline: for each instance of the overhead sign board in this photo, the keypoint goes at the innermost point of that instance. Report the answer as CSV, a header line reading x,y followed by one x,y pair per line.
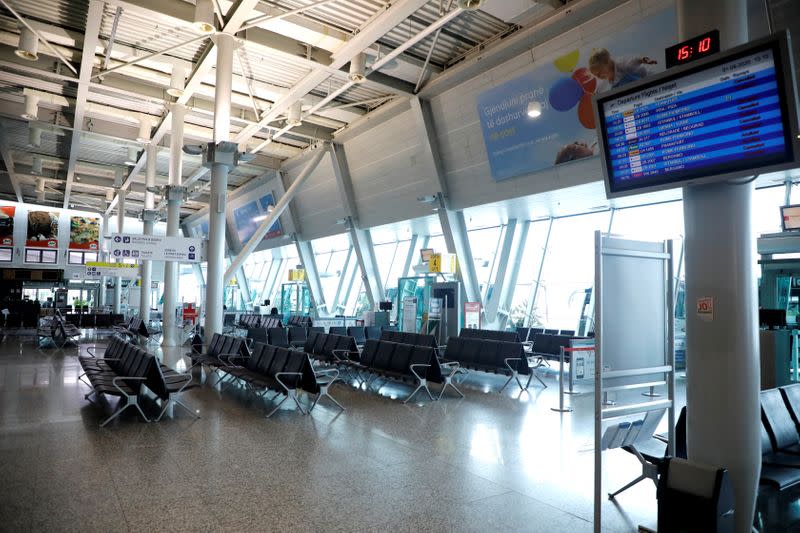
x,y
442,263
297,274
98,269
156,248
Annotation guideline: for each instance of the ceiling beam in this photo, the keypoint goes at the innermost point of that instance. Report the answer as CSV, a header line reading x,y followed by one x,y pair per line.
x,y
5,153
94,17
300,53
395,14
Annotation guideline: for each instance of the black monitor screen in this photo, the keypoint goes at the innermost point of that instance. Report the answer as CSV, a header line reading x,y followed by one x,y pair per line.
x,y
730,116
772,318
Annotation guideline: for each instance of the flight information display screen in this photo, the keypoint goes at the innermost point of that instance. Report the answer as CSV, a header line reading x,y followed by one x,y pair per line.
x,y
723,118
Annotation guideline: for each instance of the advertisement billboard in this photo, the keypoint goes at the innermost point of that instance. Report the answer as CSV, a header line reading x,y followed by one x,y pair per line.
x,y
544,117
84,233
42,229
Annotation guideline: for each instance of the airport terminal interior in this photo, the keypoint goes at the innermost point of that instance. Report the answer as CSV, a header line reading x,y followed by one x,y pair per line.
x,y
407,265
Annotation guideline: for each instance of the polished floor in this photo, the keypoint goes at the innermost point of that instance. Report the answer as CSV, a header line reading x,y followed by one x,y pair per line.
x,y
487,462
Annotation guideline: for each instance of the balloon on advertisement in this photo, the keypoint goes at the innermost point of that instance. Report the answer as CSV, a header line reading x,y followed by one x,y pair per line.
x,y
568,61
585,112
565,94
586,79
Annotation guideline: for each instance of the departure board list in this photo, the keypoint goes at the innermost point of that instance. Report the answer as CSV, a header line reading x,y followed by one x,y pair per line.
x,y
725,117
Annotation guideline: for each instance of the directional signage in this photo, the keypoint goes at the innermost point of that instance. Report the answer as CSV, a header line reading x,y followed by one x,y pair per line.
x,y
156,248
97,269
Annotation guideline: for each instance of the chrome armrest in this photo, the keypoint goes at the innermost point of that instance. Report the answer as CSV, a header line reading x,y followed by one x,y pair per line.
x,y
327,372
116,384
229,356
278,379
411,367
507,359
453,366
185,384
341,359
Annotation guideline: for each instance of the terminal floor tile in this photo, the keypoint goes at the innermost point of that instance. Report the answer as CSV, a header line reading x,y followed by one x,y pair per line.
x,y
487,462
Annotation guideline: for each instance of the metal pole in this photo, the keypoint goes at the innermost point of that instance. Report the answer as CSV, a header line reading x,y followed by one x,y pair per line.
x,y
103,256
219,188
283,203
174,201
787,191
120,229
148,219
599,394
560,408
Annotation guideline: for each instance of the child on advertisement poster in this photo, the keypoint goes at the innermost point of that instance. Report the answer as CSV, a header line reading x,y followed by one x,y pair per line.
x,y
614,72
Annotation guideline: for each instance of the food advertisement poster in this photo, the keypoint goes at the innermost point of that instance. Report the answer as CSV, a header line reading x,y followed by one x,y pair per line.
x,y
7,225
519,141
84,233
42,229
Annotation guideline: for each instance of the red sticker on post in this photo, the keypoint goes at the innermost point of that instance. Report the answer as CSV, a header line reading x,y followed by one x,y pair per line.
x,y
705,308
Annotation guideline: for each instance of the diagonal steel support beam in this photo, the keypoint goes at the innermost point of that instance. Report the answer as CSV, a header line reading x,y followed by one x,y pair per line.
x,y
94,18
507,296
359,238
307,257
5,153
276,212
493,300
412,253
453,225
336,305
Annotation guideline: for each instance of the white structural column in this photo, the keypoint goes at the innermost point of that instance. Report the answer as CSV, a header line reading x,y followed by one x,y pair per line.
x,y
507,294
454,227
336,306
360,238
493,299
723,411
120,229
306,253
148,222
215,284
174,193
535,288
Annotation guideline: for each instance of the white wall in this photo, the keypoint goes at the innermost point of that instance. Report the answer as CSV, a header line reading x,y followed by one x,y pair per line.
x,y
318,203
389,172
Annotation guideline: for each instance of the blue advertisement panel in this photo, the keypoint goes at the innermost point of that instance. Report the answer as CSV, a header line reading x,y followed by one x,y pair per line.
x,y
249,216
544,117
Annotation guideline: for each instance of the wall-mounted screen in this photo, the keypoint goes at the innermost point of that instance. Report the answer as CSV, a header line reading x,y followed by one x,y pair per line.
x,y
729,116
790,215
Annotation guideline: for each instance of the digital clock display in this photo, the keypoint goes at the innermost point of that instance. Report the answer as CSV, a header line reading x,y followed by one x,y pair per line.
x,y
695,48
